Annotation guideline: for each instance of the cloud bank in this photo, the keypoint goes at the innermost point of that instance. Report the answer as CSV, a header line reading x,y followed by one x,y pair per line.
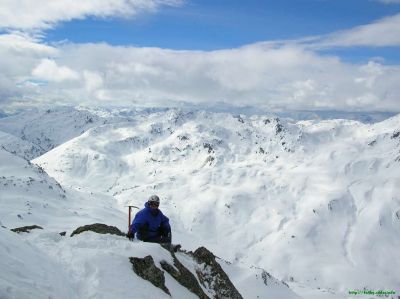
x,y
270,75
257,75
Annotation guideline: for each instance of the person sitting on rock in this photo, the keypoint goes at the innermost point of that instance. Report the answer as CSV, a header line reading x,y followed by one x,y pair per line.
x,y
150,224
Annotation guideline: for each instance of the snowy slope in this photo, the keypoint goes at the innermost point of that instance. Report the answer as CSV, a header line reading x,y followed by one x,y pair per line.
x,y
286,196
21,148
47,129
44,264
27,272
29,196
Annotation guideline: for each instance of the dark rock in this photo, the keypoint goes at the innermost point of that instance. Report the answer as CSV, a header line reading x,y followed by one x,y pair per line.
x,y
183,276
213,277
240,119
183,137
278,128
146,269
266,277
172,247
98,228
208,146
25,229
396,134
63,234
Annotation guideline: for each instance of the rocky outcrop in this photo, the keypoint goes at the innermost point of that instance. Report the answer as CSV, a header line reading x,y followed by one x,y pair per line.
x,y
213,277
183,276
209,280
98,228
146,269
25,229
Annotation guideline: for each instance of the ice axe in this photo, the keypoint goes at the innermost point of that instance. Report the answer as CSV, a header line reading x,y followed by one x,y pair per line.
x,y
129,215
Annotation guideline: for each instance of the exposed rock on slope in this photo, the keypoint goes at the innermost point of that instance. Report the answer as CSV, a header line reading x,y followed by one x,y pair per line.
x,y
25,229
183,276
145,268
210,275
98,228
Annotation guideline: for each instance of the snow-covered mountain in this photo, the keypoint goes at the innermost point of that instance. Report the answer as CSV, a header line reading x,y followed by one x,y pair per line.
x,y
47,263
315,203
22,148
46,129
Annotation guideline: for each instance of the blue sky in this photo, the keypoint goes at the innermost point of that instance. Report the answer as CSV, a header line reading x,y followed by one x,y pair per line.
x,y
221,24
213,25
299,54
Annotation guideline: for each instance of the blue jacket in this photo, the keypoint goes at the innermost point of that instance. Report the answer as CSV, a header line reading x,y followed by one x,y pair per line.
x,y
151,225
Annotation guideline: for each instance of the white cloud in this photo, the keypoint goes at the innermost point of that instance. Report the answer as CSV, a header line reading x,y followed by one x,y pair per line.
x,y
19,55
44,14
384,32
258,75
93,80
389,1
49,70
24,44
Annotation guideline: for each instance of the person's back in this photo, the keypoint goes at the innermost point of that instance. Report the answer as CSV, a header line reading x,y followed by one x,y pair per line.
x,y
150,224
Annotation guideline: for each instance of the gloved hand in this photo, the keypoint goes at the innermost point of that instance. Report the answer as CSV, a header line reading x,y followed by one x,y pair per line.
x,y
130,235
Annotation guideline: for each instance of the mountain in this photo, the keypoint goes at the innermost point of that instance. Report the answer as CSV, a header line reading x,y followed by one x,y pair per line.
x,y
46,129
30,196
41,259
22,148
314,202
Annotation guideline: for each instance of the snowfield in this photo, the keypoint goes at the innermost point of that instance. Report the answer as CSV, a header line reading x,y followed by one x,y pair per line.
x,y
316,203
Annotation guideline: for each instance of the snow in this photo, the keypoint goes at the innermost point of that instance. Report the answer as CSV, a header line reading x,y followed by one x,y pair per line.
x,y
315,202
26,272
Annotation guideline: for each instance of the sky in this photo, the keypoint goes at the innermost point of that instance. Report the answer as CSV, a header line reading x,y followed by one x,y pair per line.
x,y
298,55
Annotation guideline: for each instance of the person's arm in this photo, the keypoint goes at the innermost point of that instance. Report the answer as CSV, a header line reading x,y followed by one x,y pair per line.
x,y
137,224
166,229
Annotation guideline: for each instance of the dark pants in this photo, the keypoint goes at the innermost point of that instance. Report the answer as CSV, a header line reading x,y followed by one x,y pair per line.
x,y
157,239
